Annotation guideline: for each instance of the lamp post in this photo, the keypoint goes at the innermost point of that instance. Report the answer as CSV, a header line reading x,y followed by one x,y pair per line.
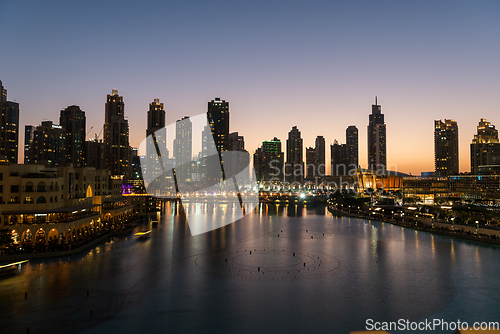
x,y
477,227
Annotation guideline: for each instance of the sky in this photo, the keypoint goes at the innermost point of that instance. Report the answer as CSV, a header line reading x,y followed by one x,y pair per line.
x,y
317,65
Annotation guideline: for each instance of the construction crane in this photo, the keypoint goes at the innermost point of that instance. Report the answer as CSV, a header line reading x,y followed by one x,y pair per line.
x,y
98,135
87,135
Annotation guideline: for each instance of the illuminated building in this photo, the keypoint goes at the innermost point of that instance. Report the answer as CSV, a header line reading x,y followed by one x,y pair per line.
x,y
156,128
351,134
183,149
310,163
485,147
29,134
294,169
218,119
94,148
377,153
49,145
446,147
9,126
59,205
344,157
268,161
237,161
73,121
116,148
319,156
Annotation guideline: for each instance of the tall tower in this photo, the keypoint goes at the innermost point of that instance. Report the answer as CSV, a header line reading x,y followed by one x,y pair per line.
x,y
49,145
156,128
156,117
377,154
351,135
319,155
446,147
29,134
218,118
73,121
183,148
311,165
266,159
9,127
485,147
116,148
294,157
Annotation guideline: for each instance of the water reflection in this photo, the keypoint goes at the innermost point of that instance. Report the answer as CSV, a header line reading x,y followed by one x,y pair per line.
x,y
385,273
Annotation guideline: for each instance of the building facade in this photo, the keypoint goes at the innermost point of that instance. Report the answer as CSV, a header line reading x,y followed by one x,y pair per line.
x,y
218,119
116,147
9,128
49,145
268,161
377,151
446,147
294,169
73,121
485,147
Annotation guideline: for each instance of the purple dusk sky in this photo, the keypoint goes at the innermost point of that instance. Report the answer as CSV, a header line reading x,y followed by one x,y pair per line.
x,y
314,64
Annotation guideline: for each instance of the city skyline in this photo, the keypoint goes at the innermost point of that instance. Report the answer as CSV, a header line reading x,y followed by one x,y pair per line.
x,y
90,137
446,68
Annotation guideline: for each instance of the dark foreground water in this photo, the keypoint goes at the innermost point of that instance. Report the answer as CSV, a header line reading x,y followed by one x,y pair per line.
x,y
307,272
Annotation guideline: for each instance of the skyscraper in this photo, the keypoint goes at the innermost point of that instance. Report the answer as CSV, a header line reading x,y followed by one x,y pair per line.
x,y
29,134
49,145
338,156
268,159
377,154
311,163
156,117
73,121
183,148
236,142
156,128
294,157
218,118
319,155
485,147
116,148
9,127
446,147
94,148
351,136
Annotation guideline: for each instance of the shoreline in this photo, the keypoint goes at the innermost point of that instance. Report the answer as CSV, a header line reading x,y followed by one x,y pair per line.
x,y
33,256
457,234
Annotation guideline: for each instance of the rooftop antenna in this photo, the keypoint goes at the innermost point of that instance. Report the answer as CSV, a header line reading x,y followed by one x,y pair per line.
x,y
376,101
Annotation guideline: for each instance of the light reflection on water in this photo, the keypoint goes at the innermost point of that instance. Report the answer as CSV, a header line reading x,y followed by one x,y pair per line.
x,y
385,273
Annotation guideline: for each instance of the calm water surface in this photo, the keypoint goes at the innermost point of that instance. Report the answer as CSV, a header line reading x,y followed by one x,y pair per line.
x,y
308,272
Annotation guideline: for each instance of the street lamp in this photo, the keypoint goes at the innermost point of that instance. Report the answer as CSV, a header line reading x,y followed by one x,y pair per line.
x,y
477,227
